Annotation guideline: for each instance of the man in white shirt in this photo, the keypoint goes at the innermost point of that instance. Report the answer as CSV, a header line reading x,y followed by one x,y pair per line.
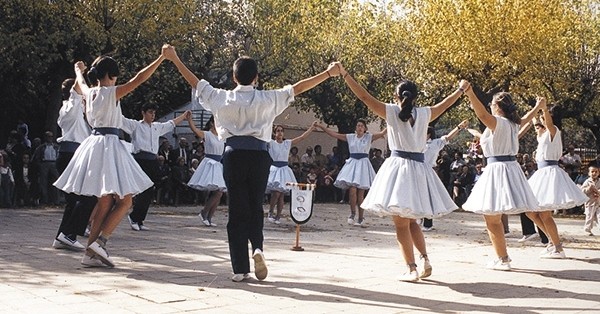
x,y
144,138
572,162
75,129
244,119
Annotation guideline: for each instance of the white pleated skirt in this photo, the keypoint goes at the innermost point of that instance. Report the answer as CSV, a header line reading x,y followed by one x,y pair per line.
x,y
102,165
554,189
408,189
278,177
501,189
208,176
356,173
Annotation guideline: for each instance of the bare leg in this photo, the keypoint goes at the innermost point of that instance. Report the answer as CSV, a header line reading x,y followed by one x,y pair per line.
x,y
273,202
545,221
405,241
360,196
279,205
212,203
115,216
99,214
496,232
352,200
418,237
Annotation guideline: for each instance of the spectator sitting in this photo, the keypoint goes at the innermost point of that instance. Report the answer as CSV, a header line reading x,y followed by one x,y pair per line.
x,y
320,160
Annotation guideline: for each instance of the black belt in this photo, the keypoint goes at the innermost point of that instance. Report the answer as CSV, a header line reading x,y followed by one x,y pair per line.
x,y
145,155
67,147
503,158
105,131
547,163
246,143
279,164
358,155
214,157
418,157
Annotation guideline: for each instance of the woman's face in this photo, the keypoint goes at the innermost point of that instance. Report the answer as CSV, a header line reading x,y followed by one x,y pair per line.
x,y
278,133
361,128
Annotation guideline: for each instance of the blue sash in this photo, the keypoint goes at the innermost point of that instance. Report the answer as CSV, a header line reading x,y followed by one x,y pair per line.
x,y
246,143
359,155
105,131
418,157
503,158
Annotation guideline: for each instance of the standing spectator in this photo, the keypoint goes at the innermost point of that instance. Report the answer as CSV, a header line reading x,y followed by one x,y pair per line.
x,y
179,178
357,174
45,157
377,159
591,187
7,181
308,160
164,149
244,118
182,151
163,186
22,174
23,130
571,162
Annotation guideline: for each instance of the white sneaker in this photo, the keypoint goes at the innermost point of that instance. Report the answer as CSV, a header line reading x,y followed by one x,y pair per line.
x,y
260,266
212,224
91,261
409,276
276,221
528,237
427,269
87,231
240,277
360,223
548,249
100,253
351,220
70,243
554,255
134,225
271,218
143,228
59,245
499,265
427,229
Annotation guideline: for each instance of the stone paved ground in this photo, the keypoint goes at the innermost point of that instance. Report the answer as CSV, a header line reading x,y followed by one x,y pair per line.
x,y
182,266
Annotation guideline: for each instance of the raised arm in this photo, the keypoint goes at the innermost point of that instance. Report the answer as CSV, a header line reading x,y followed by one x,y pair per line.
x,y
190,77
182,117
523,130
548,119
461,126
140,77
308,83
79,79
198,132
442,106
305,134
378,107
341,137
379,135
486,118
533,112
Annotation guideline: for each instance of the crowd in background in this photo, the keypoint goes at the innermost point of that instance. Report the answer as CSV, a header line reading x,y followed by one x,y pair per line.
x,y
28,169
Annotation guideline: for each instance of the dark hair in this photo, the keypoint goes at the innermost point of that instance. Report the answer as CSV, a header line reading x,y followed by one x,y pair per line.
x,y
277,126
245,70
505,102
431,132
406,91
209,123
102,66
364,122
146,107
66,88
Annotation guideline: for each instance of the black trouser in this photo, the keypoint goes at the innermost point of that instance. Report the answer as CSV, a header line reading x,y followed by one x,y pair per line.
x,y
141,202
246,173
78,208
427,223
528,228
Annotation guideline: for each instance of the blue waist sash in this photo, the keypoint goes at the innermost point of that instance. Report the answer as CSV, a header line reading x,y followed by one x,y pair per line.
x,y
67,147
359,155
105,131
547,163
145,155
503,158
279,164
419,157
246,143
213,157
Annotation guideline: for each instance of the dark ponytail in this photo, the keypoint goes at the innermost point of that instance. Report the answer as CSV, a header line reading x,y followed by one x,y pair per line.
x,y
406,91
102,66
505,102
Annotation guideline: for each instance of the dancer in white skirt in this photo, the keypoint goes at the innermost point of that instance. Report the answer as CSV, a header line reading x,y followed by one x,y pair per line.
x,y
502,188
551,185
405,187
102,166
357,174
280,173
209,174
